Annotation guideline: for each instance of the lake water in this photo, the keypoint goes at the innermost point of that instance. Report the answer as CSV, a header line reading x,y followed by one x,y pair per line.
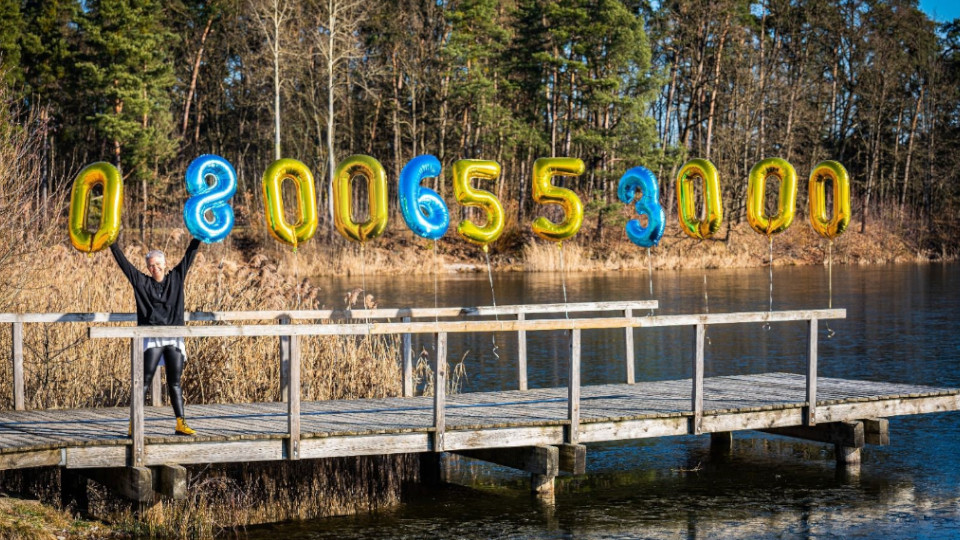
x,y
901,326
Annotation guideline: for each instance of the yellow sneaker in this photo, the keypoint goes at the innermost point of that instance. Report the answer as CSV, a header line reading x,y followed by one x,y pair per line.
x,y
183,429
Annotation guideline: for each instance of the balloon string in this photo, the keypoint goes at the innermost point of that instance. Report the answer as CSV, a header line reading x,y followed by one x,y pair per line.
x,y
436,271
650,276
493,296
706,305
296,275
766,325
563,280
363,282
830,332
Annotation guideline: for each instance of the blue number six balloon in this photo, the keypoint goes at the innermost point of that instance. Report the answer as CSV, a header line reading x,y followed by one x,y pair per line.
x,y
649,204
424,211
209,198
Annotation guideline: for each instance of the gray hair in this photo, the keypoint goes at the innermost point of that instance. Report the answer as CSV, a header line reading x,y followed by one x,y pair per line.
x,y
155,254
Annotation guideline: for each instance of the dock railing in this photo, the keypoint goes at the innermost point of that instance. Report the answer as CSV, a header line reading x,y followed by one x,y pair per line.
x,y
521,312
697,322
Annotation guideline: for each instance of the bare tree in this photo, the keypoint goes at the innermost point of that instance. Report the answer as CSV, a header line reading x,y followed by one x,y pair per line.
x,y
271,14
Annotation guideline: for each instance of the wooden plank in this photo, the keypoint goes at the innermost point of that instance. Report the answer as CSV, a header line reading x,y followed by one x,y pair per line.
x,y
521,355
887,407
407,369
16,334
30,459
439,392
503,437
810,416
573,391
634,429
628,343
136,400
366,445
214,452
463,326
293,401
752,420
697,392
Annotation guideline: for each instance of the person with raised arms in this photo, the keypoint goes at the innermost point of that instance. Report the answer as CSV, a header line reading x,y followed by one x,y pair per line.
x,y
159,297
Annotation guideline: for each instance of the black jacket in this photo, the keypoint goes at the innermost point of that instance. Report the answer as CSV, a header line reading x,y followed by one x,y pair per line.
x,y
158,303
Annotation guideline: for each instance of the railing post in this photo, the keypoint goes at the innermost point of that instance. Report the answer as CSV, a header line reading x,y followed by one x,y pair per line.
x,y
521,355
293,400
407,363
284,362
17,355
573,390
136,401
697,395
628,313
811,410
439,392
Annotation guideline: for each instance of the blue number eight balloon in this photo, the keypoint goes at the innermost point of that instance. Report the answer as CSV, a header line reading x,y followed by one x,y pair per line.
x,y
424,211
209,198
649,204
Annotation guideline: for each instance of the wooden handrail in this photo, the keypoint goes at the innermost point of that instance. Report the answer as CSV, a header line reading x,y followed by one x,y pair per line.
x,y
455,327
392,313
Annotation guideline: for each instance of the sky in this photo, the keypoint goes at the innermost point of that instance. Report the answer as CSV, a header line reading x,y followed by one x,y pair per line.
x,y
941,10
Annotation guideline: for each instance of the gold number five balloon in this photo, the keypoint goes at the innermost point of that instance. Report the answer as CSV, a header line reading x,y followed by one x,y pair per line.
x,y
106,175
280,228
756,196
544,169
467,195
376,223
837,175
690,222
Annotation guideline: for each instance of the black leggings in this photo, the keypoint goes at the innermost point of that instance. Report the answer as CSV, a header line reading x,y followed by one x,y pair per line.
x,y
173,359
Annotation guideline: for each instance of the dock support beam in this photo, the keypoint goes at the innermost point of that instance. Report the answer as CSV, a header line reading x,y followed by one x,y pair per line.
x,y
573,458
132,483
848,438
170,481
721,443
542,462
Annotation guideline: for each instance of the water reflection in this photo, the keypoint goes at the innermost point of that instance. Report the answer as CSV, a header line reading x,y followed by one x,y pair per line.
x,y
901,326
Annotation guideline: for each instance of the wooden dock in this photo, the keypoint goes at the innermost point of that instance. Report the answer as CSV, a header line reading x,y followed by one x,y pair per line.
x,y
84,438
541,431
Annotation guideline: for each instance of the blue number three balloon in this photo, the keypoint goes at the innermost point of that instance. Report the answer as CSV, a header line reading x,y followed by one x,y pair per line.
x,y
649,204
424,211
210,198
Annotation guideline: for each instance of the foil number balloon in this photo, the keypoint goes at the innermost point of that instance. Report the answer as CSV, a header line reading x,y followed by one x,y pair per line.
x,y
463,171
209,198
649,205
280,228
423,210
544,169
106,175
825,226
713,205
343,198
756,196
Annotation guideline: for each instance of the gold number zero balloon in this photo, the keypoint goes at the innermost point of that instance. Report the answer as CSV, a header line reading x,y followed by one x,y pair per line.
x,y
837,175
467,195
690,221
277,224
106,175
756,196
376,177
544,192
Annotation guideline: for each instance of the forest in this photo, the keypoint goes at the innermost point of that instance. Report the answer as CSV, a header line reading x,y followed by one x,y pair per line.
x,y
150,85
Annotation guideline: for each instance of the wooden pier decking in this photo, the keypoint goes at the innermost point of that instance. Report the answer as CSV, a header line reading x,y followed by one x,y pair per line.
x,y
537,430
84,438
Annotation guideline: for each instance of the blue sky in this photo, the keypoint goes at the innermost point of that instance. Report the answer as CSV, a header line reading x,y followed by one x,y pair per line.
x,y
941,10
